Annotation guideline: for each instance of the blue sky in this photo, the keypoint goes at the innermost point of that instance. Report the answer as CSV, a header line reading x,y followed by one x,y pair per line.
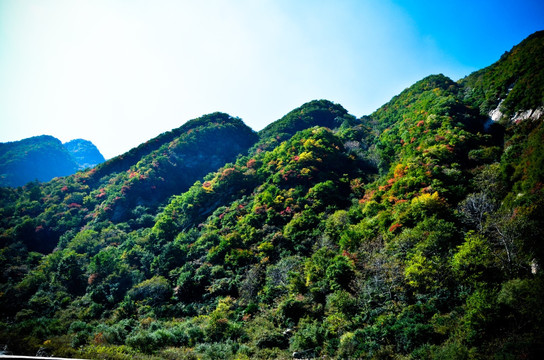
x,y
120,72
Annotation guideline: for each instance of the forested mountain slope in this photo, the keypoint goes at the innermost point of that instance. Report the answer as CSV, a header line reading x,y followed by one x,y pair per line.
x,y
124,189
314,113
513,85
414,232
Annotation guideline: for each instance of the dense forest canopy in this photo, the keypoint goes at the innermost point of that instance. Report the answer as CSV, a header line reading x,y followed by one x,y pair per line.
x,y
413,233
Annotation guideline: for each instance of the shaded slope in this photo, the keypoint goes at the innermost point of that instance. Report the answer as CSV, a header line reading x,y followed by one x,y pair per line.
x,y
125,161
209,143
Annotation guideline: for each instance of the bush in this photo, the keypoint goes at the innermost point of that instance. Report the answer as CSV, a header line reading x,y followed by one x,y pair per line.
x,y
309,338
178,354
217,351
150,341
154,291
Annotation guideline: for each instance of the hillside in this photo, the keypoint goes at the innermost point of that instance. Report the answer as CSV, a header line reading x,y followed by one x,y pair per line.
x,y
123,189
513,86
314,113
414,232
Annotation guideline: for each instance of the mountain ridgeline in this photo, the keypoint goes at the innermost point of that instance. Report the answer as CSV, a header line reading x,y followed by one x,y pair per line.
x,y
414,232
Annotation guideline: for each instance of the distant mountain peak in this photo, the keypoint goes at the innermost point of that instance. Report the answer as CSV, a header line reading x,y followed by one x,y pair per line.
x,y
43,158
84,152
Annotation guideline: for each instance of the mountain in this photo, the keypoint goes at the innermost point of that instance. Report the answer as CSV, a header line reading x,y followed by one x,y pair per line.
x,y
84,152
37,158
42,158
129,187
413,232
314,113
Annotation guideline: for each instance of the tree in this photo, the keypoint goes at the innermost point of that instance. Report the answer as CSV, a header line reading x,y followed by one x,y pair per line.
x,y
476,208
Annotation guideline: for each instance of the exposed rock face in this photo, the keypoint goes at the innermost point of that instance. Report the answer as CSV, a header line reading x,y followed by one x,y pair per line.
x,y
496,113
531,114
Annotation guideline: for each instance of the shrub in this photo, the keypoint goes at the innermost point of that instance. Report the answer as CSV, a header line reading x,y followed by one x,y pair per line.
x,y
309,338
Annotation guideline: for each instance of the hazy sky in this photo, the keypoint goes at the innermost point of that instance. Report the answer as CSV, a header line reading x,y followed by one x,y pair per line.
x,y
120,72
